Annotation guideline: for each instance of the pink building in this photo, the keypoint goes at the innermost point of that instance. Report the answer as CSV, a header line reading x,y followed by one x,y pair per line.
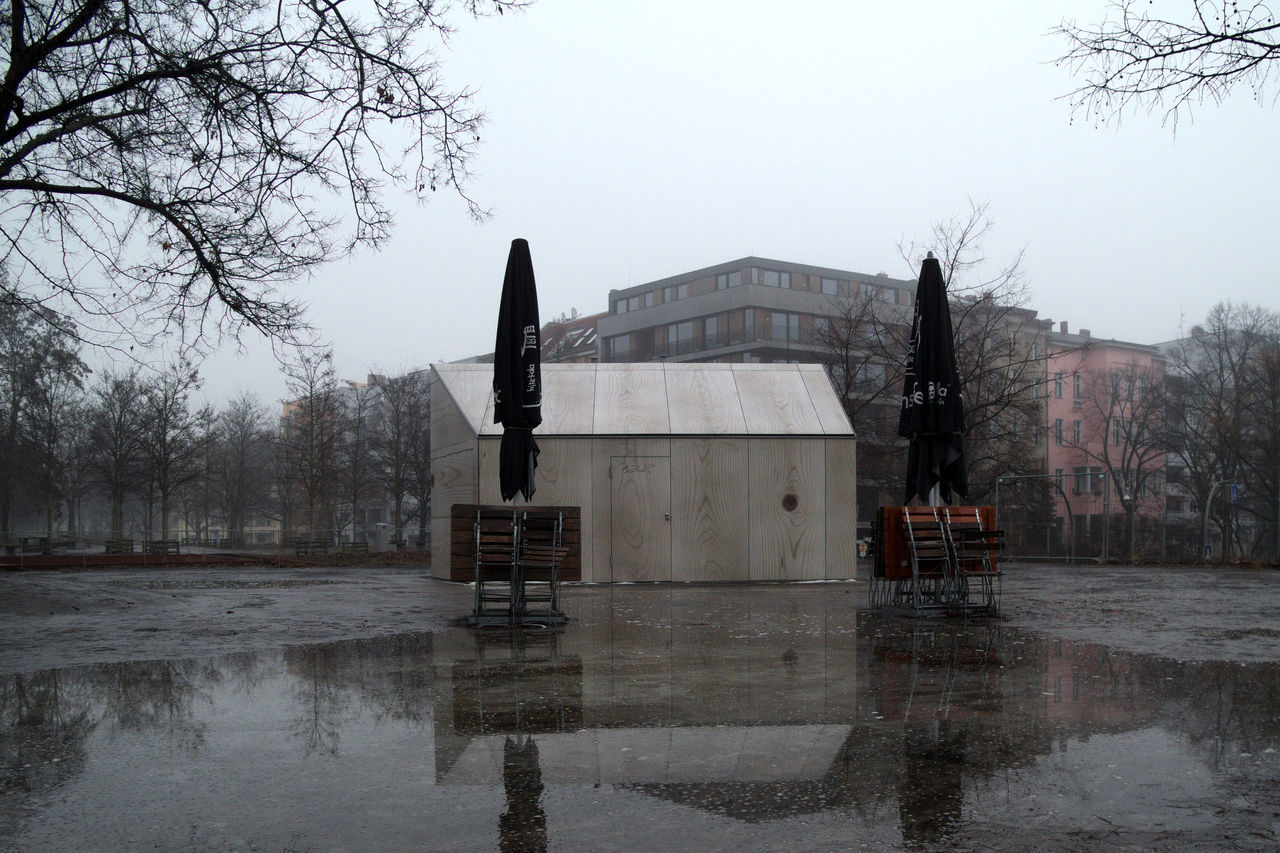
x,y
1105,448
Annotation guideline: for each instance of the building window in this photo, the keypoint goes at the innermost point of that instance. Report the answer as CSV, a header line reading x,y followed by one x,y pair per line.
x,y
674,292
620,307
748,324
648,299
1060,479
773,278
726,280
1077,387
1058,437
711,332
1077,432
680,338
830,286
1119,431
889,294
620,348
785,327
1057,386
821,329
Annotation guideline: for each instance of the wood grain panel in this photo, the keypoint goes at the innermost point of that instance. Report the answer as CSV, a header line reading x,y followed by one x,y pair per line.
x,y
631,402
787,544
490,487
568,400
455,480
704,402
471,387
449,429
709,517
842,508
776,402
640,530
825,402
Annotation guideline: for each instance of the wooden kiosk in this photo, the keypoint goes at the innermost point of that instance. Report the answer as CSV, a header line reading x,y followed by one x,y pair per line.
x,y
937,560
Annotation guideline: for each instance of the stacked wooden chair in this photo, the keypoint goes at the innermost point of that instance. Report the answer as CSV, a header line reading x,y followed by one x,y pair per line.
x,y
936,561
517,574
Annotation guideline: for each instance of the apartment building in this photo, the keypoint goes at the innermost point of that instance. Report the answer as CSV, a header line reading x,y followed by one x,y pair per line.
x,y
748,310
1104,449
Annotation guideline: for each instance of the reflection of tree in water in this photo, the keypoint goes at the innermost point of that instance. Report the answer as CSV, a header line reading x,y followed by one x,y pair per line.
x,y
43,727
155,696
523,826
388,676
320,695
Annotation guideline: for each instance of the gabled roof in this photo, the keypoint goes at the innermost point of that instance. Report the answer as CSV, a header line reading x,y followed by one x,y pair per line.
x,y
663,399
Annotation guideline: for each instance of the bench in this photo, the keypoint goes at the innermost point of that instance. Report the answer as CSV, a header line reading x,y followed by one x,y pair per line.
x,y
303,546
361,547
119,546
161,546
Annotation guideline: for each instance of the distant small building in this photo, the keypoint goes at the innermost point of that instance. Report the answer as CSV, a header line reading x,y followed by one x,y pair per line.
x,y
683,472
571,338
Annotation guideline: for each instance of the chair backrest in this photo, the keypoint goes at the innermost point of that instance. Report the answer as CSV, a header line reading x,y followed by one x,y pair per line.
x,y
542,527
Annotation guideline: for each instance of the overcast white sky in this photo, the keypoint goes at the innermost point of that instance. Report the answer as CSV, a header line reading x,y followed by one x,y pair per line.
x,y
632,140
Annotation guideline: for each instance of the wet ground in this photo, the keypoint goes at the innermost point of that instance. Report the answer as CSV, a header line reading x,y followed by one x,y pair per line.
x,y
326,710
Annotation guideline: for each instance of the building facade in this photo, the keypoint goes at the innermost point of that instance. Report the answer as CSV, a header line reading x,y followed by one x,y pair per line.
x,y
752,310
1105,447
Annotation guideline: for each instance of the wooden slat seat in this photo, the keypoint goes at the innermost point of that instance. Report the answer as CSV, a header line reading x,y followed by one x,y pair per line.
x,y
541,551
495,565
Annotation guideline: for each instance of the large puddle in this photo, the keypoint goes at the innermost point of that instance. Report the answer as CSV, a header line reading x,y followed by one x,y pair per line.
x,y
681,721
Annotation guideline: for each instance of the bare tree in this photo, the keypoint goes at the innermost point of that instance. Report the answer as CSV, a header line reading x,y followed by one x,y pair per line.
x,y
310,434
37,354
240,462
399,427
116,433
356,407
173,433
1223,420
999,351
1134,60
54,431
165,164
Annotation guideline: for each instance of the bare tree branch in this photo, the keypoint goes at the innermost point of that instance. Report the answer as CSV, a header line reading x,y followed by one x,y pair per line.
x,y
1134,61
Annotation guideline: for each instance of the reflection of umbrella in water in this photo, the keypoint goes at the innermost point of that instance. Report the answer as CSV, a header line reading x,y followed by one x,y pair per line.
x,y
517,374
932,415
523,826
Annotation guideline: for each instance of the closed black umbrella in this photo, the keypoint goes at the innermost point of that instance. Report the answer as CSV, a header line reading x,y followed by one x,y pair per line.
x,y
932,415
517,374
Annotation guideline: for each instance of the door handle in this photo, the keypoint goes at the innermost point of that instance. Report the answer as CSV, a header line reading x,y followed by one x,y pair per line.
x,y
667,516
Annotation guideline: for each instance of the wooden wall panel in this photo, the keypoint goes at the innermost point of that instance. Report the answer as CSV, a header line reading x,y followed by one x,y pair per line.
x,y
490,488
772,406
842,508
441,556
568,401
787,544
455,482
709,518
825,402
471,389
631,401
449,428
704,402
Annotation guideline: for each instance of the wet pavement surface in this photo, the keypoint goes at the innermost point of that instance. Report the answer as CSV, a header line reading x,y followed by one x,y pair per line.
x,y
334,710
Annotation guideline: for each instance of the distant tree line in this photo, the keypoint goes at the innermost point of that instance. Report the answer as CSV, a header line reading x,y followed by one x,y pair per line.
x,y
131,454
